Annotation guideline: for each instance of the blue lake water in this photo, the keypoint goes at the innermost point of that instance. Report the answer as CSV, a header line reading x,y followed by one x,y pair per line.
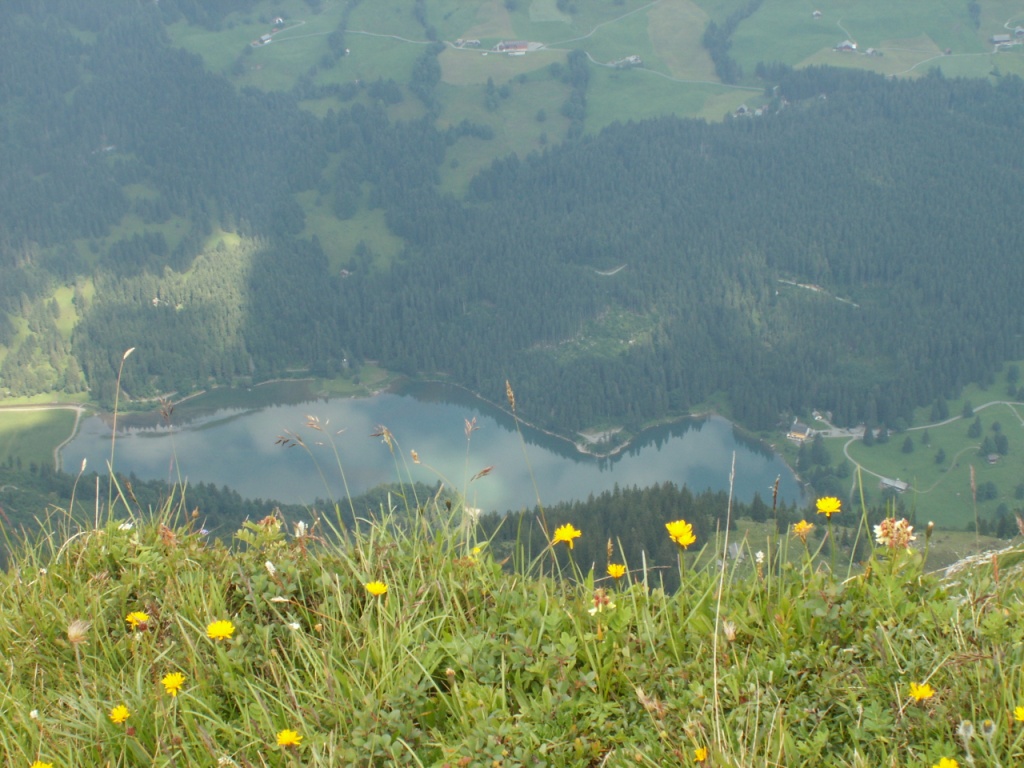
x,y
229,439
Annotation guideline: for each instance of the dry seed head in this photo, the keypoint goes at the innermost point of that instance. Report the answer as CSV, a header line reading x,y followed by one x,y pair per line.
x,y
482,473
510,395
78,631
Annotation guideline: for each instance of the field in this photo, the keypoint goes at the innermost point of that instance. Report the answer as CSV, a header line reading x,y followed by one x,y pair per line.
x,y
29,437
941,491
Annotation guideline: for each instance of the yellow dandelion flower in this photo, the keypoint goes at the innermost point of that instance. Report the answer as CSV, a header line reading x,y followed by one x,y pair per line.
x,y
700,754
288,738
1018,714
681,532
565,534
947,762
921,691
220,630
829,505
119,714
41,764
137,619
376,588
616,571
173,682
801,529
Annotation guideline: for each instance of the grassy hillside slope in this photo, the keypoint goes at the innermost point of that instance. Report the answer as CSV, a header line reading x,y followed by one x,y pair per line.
x,y
404,641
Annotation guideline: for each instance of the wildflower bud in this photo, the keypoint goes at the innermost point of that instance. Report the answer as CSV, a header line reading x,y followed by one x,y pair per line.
x,y
929,530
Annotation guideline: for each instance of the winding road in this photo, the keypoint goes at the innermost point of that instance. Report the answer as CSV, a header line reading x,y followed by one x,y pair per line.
x,y
833,432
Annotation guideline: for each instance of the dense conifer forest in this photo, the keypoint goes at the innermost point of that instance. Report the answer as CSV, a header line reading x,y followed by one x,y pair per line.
x,y
853,248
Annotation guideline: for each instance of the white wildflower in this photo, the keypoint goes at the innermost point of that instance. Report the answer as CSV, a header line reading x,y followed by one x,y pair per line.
x,y
270,568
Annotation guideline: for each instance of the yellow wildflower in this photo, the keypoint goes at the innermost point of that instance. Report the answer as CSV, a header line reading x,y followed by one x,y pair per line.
x,y
681,532
1018,714
921,691
947,762
41,764
220,630
700,754
566,534
288,738
801,529
172,682
829,505
616,571
119,714
376,588
137,619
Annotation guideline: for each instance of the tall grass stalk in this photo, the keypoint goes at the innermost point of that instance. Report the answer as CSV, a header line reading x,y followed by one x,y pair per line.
x,y
113,431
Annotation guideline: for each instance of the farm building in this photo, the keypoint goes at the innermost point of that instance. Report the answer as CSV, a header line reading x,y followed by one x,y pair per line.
x,y
799,432
512,45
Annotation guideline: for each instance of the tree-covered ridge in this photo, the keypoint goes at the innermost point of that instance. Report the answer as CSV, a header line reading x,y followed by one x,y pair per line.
x,y
879,194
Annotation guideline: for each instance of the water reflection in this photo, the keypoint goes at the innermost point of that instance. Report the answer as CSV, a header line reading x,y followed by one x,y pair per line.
x,y
230,440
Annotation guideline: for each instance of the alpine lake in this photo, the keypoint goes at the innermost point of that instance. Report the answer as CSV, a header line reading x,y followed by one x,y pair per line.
x,y
282,441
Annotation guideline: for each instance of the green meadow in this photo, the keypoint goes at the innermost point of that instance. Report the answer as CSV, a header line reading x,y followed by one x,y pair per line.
x,y
31,436
941,490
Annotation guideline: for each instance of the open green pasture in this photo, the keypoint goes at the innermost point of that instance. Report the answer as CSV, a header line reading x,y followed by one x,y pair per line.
x,y
675,31
339,238
386,18
906,35
942,491
32,436
515,124
374,55
301,41
469,66
636,94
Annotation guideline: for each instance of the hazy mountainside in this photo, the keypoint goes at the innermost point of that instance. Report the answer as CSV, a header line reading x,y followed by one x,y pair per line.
x,y
897,201
853,247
